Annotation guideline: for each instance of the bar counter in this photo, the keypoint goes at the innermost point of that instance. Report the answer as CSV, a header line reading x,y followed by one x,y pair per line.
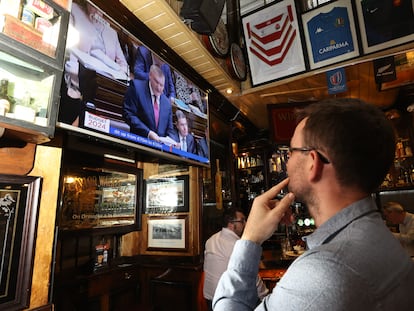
x,y
273,266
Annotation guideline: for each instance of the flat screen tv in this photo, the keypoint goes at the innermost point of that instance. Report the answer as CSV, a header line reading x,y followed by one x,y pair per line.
x,y
107,91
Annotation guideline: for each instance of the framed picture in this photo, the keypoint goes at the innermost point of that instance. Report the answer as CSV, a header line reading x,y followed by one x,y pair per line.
x,y
273,44
115,189
384,24
330,34
282,121
166,195
19,204
403,69
167,233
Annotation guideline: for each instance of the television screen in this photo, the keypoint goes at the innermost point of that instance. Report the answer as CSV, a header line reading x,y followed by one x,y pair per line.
x,y
115,86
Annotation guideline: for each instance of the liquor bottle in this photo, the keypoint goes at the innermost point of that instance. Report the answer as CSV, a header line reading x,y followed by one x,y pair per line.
x,y
4,98
219,197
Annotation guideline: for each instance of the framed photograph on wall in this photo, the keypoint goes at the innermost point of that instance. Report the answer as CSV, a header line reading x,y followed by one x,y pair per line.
x,y
19,205
330,34
167,233
282,121
384,24
167,195
273,44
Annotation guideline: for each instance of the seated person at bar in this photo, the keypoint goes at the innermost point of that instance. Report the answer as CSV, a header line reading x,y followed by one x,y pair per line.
x,y
147,110
395,214
340,152
218,250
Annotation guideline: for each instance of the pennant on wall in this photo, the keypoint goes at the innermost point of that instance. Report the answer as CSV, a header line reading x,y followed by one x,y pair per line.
x,y
336,80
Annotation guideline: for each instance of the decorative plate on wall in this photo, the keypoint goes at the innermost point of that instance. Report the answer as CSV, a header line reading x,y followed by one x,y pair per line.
x,y
236,62
218,42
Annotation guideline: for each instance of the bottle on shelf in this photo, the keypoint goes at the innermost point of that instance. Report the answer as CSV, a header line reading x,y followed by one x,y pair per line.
x,y
4,98
219,196
412,173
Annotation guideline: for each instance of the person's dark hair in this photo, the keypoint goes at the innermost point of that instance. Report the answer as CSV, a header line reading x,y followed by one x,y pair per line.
x,y
355,136
180,115
229,215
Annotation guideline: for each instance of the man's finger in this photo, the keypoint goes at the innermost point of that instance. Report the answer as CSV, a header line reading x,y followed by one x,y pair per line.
x,y
275,190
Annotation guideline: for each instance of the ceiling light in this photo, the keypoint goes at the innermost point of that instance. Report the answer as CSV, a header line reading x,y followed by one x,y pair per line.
x,y
229,91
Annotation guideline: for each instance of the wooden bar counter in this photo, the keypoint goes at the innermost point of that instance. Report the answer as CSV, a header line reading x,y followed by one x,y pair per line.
x,y
273,266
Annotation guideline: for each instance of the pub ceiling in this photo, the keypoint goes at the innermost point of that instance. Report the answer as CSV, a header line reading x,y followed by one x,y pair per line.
x,y
162,17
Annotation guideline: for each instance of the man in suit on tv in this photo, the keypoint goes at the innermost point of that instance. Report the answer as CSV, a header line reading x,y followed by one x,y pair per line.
x,y
143,62
147,110
202,145
183,136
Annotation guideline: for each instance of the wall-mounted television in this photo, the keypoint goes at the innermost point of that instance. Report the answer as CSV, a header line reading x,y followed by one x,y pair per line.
x,y
112,89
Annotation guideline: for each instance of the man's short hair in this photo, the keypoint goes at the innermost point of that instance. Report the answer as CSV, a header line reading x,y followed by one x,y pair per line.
x,y
229,215
180,115
357,138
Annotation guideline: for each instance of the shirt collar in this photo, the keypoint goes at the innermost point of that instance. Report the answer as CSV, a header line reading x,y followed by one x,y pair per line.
x,y
229,232
152,93
340,220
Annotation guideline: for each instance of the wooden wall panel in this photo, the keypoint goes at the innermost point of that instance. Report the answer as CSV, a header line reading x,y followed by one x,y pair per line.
x,y
46,165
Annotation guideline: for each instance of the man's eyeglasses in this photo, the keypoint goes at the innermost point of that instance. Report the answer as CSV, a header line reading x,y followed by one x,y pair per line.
x,y
239,220
307,149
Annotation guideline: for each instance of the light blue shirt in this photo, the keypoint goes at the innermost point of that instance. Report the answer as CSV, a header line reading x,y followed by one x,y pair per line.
x,y
353,263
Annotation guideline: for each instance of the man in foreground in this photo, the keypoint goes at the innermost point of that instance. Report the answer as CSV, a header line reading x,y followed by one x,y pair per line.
x,y
340,152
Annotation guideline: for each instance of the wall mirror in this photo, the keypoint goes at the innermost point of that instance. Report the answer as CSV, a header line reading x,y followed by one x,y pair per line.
x,y
100,193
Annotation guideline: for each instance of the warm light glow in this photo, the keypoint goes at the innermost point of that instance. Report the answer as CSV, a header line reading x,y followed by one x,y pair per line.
x,y
229,91
70,180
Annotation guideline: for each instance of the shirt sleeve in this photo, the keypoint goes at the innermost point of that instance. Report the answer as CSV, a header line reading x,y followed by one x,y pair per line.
x,y
407,232
236,289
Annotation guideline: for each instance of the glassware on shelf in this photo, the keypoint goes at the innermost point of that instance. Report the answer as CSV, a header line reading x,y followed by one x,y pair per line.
x,y
403,148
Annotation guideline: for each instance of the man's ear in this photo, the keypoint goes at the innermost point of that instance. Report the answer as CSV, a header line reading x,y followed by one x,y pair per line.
x,y
315,167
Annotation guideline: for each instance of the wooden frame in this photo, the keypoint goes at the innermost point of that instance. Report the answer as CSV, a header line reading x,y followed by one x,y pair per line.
x,y
19,204
330,34
384,24
168,233
167,195
273,54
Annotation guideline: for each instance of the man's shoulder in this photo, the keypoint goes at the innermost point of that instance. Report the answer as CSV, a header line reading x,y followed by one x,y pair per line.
x,y
191,137
165,101
137,83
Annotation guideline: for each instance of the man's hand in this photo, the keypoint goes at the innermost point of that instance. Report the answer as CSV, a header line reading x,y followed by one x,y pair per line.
x,y
267,212
154,136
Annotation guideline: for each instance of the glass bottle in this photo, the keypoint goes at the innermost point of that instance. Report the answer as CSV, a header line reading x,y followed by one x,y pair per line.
x,y
4,98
